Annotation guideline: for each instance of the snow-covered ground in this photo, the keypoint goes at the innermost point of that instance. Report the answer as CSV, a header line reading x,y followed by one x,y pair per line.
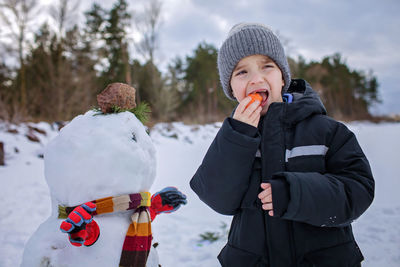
x,y
25,199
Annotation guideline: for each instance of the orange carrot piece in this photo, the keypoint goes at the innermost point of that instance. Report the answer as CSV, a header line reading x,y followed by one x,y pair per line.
x,y
254,97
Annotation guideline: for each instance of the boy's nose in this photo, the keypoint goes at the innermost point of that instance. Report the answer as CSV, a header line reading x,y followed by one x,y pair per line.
x,y
256,78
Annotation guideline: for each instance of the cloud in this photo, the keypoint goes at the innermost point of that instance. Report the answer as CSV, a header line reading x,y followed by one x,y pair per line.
x,y
365,32
186,25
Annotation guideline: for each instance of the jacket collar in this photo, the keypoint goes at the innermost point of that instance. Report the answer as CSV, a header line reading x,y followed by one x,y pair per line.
x,y
306,102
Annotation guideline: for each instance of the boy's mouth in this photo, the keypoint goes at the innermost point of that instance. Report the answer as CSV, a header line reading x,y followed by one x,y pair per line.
x,y
264,94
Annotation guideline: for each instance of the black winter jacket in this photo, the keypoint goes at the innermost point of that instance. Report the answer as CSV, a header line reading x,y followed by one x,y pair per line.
x,y
321,182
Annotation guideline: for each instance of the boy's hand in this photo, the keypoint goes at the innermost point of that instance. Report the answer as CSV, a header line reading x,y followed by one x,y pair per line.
x,y
266,198
248,114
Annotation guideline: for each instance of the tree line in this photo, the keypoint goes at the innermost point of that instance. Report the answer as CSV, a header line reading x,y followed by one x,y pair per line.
x,y
57,74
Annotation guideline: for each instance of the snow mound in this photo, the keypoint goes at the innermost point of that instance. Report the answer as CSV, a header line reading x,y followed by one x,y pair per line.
x,y
25,200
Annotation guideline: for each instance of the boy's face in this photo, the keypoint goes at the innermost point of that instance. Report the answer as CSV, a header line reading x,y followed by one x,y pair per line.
x,y
258,73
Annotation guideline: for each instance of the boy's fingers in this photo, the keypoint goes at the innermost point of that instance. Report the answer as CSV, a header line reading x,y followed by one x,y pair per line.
x,y
264,194
255,122
267,199
248,113
251,108
245,106
267,206
256,113
265,185
242,105
271,213
254,117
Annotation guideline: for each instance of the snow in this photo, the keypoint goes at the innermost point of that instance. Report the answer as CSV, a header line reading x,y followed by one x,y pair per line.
x,y
25,200
95,156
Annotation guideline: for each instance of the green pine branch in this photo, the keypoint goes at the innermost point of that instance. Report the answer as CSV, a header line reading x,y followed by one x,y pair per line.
x,y
141,111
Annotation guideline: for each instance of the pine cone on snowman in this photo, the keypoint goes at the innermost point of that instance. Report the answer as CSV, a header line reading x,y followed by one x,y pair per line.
x,y
99,170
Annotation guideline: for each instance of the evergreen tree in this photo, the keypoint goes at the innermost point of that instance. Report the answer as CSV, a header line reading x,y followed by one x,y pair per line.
x,y
108,29
346,94
118,22
171,92
60,76
203,96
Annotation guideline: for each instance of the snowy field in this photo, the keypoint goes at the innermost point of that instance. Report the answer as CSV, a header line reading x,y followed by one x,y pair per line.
x,y
25,199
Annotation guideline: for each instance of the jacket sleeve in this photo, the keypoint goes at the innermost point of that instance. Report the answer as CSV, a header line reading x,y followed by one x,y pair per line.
x,y
337,197
223,177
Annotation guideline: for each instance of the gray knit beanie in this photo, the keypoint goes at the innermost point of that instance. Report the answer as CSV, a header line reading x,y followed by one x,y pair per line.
x,y
246,39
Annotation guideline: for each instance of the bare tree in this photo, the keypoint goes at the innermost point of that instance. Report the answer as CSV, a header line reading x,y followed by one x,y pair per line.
x,y
64,12
2,162
286,43
148,24
17,16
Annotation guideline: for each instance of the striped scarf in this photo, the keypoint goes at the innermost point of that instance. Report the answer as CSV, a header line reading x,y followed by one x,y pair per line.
x,y
138,238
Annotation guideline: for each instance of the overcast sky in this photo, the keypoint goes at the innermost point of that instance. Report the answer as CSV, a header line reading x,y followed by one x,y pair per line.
x,y
365,32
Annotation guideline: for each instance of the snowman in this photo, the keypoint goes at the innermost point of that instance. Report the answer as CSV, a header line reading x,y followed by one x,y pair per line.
x,y
99,170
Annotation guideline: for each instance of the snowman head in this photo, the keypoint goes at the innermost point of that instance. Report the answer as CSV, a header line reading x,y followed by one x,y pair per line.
x,y
99,155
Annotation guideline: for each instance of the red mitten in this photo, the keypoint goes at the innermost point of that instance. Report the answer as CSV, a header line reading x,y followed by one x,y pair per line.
x,y
167,200
80,226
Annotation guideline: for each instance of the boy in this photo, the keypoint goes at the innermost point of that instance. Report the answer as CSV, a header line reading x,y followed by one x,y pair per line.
x,y
293,178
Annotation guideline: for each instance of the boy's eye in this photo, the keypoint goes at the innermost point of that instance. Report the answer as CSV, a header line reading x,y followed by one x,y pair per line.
x,y
240,72
268,66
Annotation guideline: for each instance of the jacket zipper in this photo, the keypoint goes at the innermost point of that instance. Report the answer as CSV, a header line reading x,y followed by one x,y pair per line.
x,y
266,219
267,238
291,230
292,244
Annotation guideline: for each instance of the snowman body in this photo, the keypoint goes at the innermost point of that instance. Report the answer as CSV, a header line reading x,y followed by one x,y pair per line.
x,y
94,156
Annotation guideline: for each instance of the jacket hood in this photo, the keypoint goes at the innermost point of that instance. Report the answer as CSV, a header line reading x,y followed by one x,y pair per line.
x,y
306,102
